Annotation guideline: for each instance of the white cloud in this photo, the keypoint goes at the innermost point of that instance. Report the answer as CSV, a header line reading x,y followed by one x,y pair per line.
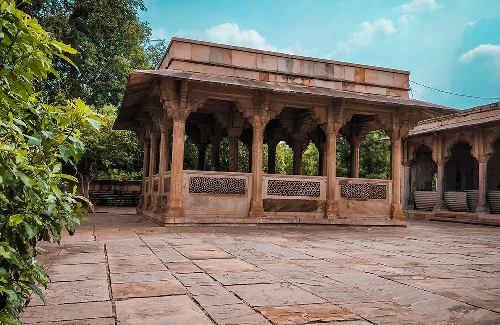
x,y
470,24
405,19
483,50
416,6
365,33
230,33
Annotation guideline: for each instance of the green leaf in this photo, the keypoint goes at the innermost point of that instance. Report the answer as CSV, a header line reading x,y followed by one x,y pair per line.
x,y
15,219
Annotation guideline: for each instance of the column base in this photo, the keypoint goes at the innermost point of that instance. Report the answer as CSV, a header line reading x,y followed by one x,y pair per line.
x,y
172,213
331,211
257,211
397,212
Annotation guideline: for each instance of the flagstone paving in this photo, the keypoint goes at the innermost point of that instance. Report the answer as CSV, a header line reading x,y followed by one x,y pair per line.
x,y
122,269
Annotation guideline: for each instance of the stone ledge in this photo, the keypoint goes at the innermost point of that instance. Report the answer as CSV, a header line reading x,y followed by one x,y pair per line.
x,y
292,221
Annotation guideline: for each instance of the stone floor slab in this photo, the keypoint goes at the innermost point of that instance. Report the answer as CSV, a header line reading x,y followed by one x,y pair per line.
x,y
147,289
66,312
276,294
306,314
169,310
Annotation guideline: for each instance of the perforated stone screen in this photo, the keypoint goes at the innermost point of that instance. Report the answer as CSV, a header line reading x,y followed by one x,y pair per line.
x,y
363,191
293,188
217,185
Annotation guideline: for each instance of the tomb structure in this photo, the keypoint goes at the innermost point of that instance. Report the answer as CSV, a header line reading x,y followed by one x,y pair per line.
x,y
229,100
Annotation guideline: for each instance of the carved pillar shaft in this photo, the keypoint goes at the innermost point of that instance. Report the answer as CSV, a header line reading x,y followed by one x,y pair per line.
x,y
297,158
355,159
321,159
151,172
483,183
396,157
331,171
145,171
271,157
256,204
216,154
175,208
439,185
202,149
162,168
233,154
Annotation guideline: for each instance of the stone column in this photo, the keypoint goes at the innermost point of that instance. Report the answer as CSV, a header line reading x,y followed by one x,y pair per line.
x,y
396,157
331,171
321,159
145,171
256,204
233,134
439,185
151,169
271,157
355,144
175,208
163,165
216,153
483,184
406,185
202,149
298,149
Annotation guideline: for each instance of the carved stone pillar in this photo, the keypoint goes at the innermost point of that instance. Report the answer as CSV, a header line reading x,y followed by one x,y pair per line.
x,y
233,134
298,149
439,185
202,149
215,141
145,171
151,169
256,204
163,165
355,144
321,159
331,170
175,208
396,158
483,184
271,157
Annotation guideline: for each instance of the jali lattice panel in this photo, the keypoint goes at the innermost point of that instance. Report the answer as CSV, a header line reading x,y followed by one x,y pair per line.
x,y
293,188
217,185
363,191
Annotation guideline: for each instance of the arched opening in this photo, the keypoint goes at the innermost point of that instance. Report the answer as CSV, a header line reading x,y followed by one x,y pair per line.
x,y
493,179
461,180
375,156
343,157
423,172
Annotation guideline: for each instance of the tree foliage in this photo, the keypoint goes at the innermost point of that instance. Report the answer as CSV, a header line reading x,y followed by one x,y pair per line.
x,y
375,156
37,200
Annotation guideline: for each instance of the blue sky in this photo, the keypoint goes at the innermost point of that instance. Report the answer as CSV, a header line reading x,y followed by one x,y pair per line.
x,y
451,45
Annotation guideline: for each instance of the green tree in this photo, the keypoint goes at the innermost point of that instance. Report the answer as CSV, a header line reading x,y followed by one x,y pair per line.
x,y
343,158
375,156
110,40
37,200
284,159
310,160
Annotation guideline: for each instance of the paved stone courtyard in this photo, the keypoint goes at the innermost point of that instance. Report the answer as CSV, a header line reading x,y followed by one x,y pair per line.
x,y
122,269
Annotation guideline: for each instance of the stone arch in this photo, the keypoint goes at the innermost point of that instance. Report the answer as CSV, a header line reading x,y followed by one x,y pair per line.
x,y
461,169
493,168
422,178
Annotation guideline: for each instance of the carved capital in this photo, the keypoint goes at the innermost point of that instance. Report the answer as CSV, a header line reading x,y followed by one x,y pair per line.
x,y
179,103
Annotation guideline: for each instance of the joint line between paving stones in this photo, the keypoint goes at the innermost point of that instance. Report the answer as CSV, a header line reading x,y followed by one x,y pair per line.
x,y
380,276
290,283
110,289
188,293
